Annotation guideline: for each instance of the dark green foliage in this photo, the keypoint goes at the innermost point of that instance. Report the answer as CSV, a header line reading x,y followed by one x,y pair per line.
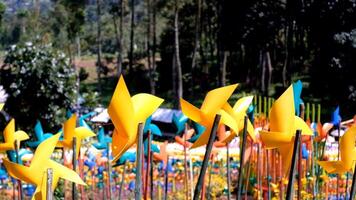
x,y
40,84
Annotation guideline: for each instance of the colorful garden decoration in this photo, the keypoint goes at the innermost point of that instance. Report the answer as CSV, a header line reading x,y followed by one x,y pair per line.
x,y
283,126
70,131
36,173
238,112
103,140
39,135
347,154
126,113
82,119
10,136
212,105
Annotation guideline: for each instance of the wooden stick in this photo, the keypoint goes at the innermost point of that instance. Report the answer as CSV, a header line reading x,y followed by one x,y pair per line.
x,y
166,180
191,177
19,183
109,170
185,164
210,173
249,170
122,179
293,164
242,157
209,147
300,158
151,174
74,162
147,164
353,186
139,152
228,171
268,175
49,192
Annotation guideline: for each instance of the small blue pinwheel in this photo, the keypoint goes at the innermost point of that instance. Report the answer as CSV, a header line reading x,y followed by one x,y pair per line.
x,y
179,123
39,135
335,117
126,157
82,119
102,140
297,89
11,154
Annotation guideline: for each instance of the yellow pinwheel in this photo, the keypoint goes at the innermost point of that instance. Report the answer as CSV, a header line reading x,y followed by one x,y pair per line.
x,y
347,153
10,136
212,105
1,106
126,113
36,173
70,131
238,112
282,127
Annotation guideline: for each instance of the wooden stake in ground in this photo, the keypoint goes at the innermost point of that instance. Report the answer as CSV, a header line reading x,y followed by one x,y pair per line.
x,y
151,174
74,162
19,184
209,147
293,165
242,157
353,186
228,171
122,179
166,180
147,164
49,192
185,164
139,152
109,169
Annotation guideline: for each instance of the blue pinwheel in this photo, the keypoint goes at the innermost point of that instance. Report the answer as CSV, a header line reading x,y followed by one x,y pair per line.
x,y
154,131
82,119
39,135
335,117
11,154
305,154
251,113
297,89
199,129
90,161
179,123
126,157
102,140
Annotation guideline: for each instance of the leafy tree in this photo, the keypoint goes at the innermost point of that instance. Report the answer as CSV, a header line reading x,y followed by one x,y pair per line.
x,y
40,83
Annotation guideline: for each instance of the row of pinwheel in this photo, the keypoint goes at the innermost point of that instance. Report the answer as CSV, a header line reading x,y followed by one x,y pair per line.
x,y
269,147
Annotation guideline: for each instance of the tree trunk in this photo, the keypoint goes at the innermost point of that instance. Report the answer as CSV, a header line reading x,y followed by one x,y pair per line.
x,y
132,35
153,86
196,41
98,65
223,68
150,58
263,73
118,33
176,51
270,70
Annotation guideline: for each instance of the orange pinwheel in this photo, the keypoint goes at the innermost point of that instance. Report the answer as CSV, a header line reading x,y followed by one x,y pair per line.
x,y
282,127
212,105
347,153
126,113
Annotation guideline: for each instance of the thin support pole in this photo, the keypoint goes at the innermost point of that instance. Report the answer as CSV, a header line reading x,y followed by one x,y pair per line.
x,y
122,179
353,186
209,147
242,157
74,162
293,165
19,183
49,192
228,171
109,170
138,182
